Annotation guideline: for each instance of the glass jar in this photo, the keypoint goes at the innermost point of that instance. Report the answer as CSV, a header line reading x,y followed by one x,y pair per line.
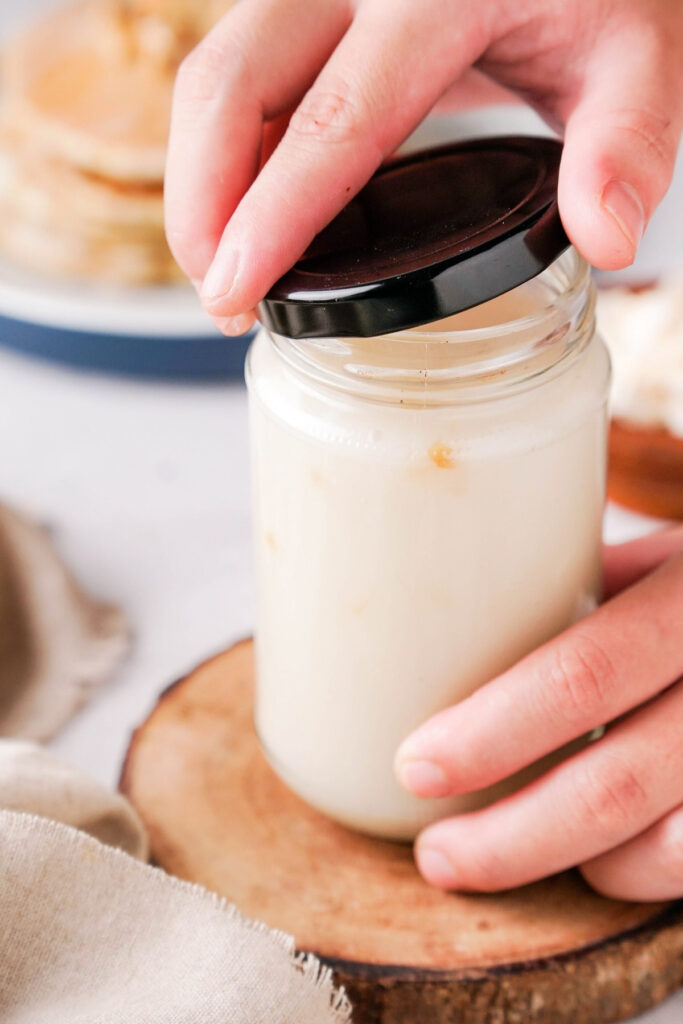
x,y
427,510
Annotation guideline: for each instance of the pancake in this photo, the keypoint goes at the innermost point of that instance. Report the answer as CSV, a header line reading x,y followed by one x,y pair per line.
x,y
54,194
646,469
93,82
75,256
643,329
86,98
63,222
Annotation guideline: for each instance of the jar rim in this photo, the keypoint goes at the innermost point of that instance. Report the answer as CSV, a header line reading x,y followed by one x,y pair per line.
x,y
425,366
544,313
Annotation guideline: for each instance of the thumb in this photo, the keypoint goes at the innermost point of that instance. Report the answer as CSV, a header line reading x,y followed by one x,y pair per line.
x,y
621,141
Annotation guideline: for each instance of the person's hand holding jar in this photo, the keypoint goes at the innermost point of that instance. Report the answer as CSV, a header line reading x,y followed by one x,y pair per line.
x,y
281,115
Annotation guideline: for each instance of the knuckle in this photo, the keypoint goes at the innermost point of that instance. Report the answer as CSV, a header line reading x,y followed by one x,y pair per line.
x,y
609,797
199,74
209,70
328,116
653,134
581,682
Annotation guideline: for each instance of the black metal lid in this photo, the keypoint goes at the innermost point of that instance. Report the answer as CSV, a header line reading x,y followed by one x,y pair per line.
x,y
430,235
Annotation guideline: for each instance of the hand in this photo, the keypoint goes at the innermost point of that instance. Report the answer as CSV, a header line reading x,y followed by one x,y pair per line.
x,y
616,808
332,88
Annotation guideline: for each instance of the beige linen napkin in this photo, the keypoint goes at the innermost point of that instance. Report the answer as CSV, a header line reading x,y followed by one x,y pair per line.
x,y
33,779
56,644
90,935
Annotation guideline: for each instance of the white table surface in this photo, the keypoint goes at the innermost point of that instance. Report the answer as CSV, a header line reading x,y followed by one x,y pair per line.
x,y
146,488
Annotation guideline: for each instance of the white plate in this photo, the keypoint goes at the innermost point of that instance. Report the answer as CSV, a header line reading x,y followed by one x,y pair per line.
x,y
175,312
171,311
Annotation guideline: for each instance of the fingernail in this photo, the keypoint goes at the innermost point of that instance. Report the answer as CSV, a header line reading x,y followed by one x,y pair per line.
x,y
234,325
413,746
623,202
424,778
436,867
220,278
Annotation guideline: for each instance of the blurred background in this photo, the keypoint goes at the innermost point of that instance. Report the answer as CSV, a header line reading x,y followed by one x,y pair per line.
x,y
139,472
122,411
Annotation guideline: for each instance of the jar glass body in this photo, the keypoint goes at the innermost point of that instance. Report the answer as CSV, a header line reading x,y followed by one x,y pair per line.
x,y
427,510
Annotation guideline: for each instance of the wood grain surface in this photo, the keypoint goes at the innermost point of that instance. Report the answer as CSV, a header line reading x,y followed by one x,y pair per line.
x,y
550,953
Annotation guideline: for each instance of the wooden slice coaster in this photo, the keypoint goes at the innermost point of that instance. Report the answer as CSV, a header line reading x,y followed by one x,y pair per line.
x,y
551,953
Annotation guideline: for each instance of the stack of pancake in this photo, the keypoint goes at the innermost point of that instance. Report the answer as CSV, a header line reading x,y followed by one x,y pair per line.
x,y
643,328
84,118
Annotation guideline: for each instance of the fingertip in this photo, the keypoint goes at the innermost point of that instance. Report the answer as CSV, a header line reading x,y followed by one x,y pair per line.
x,y
624,204
218,291
594,877
434,761
617,164
235,326
422,778
605,220
435,865
605,876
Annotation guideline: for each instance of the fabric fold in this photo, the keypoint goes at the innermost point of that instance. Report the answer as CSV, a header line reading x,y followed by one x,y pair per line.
x,y
57,644
88,934
33,780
